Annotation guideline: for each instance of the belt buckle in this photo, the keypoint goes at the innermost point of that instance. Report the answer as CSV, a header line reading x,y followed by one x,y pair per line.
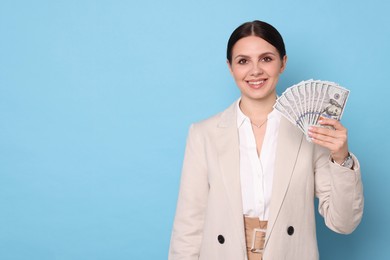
x,y
253,248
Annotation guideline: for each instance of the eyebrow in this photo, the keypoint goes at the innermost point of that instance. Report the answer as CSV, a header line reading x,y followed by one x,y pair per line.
x,y
247,57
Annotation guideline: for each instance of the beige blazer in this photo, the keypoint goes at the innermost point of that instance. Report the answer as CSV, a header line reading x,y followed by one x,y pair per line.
x,y
209,217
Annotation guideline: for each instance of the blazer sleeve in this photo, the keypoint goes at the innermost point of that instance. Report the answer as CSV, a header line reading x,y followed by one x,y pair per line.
x,y
191,206
340,193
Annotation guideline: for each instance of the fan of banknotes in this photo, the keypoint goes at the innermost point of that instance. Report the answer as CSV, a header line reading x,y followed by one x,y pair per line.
x,y
304,103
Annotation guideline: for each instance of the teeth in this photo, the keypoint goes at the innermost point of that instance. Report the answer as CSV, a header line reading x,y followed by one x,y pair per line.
x,y
256,82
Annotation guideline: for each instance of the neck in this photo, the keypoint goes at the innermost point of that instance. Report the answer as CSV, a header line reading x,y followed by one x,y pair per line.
x,y
257,110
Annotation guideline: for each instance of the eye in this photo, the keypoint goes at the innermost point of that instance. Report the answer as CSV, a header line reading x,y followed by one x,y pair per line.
x,y
242,61
267,59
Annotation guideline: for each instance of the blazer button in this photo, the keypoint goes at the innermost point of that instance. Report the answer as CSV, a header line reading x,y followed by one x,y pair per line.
x,y
290,230
221,239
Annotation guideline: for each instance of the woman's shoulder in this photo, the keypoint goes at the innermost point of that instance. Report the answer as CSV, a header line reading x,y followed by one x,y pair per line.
x,y
221,119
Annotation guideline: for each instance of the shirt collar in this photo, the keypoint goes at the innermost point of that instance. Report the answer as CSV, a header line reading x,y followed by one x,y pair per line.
x,y
241,117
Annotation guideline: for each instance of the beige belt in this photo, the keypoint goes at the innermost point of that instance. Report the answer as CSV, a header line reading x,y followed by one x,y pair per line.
x,y
255,230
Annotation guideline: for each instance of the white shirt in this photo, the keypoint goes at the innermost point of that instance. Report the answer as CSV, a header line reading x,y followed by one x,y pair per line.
x,y
256,172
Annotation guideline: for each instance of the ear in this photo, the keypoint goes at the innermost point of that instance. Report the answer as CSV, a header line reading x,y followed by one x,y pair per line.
x,y
284,63
229,66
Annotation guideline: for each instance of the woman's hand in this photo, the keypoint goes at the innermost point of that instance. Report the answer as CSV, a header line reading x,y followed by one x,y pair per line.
x,y
336,139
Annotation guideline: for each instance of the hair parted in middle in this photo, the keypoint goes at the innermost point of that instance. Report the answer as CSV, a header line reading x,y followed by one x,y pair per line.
x,y
260,29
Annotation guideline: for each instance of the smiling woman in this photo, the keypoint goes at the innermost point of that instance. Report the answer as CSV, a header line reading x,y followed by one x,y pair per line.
x,y
250,177
256,66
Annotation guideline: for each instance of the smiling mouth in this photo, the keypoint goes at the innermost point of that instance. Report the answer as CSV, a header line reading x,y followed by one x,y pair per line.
x,y
256,84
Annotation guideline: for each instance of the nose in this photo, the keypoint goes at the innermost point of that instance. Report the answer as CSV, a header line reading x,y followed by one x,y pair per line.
x,y
256,70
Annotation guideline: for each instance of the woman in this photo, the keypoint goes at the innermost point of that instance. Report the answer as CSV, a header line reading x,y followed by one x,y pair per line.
x,y
250,177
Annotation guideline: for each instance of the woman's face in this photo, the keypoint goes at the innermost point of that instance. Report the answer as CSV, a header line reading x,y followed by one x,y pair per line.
x,y
256,66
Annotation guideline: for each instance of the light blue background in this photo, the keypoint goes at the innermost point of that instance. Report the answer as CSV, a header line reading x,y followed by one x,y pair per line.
x,y
96,98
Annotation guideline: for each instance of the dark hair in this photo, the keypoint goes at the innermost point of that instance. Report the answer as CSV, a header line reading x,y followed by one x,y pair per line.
x,y
260,29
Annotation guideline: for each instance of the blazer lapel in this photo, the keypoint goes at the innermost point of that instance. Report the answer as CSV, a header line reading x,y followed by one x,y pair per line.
x,y
228,154
289,144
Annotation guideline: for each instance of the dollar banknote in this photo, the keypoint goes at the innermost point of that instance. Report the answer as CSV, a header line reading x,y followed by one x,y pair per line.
x,y
303,104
